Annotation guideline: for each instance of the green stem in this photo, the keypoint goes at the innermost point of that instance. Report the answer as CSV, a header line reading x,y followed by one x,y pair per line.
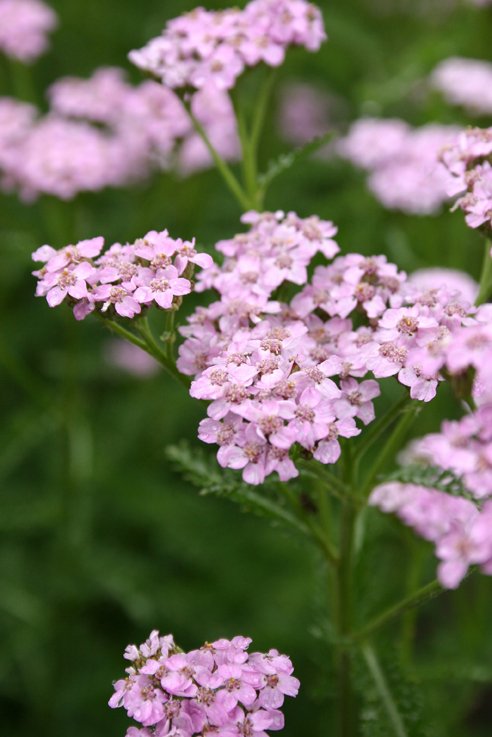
x,y
316,469
379,427
147,344
486,275
249,166
383,690
410,617
261,109
426,593
389,449
143,327
344,598
326,546
170,336
221,165
22,83
249,143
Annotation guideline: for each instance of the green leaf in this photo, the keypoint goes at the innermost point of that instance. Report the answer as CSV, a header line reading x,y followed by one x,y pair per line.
x,y
203,472
285,161
404,694
431,477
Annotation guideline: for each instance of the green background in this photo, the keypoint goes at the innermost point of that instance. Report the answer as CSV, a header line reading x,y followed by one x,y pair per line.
x,y
100,540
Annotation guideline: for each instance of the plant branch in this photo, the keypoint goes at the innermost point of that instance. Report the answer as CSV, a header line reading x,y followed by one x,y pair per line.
x,y
327,548
486,275
344,585
318,470
146,343
425,593
383,690
261,109
389,449
221,165
379,427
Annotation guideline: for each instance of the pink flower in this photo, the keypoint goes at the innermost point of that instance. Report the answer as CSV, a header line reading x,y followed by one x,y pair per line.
x,y
355,400
122,299
160,286
68,281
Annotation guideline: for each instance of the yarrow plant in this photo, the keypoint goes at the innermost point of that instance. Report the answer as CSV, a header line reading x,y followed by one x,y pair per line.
x,y
205,46
220,688
294,344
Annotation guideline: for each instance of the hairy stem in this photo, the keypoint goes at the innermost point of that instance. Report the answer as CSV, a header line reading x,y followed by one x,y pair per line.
x,y
486,275
383,690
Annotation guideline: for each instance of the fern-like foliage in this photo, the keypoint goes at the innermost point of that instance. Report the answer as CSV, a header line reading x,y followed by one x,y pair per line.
x,y
202,471
431,477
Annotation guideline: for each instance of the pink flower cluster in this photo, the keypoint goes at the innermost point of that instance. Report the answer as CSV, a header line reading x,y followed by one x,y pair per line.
x,y
468,162
219,689
405,171
460,530
24,27
466,82
104,132
457,281
208,46
124,279
463,447
268,366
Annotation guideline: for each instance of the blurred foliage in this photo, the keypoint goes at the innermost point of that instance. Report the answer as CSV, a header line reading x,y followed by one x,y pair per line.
x,y
101,540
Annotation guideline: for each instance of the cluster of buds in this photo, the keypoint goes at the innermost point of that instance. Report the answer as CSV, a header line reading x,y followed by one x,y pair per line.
x,y
207,46
125,279
219,689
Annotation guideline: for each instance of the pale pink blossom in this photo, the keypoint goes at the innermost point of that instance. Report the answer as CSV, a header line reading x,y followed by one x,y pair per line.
x,y
24,28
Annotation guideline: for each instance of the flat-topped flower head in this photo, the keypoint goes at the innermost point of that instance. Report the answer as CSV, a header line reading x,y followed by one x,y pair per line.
x,y
123,278
205,47
405,169
219,689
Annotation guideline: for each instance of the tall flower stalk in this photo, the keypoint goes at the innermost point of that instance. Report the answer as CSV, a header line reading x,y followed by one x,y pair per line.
x,y
288,361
